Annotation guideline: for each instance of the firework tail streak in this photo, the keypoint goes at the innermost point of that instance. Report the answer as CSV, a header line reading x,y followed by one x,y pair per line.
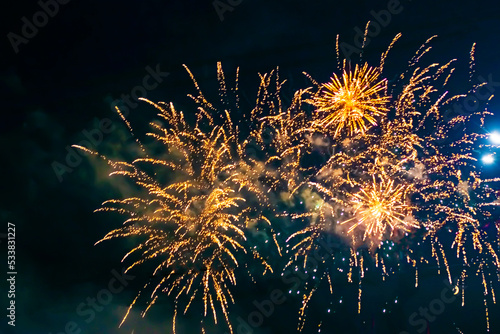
x,y
95,136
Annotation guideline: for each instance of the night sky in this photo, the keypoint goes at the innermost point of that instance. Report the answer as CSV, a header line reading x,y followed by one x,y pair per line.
x,y
62,80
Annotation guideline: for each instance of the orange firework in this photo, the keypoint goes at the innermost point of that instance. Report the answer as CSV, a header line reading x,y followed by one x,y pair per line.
x,y
380,208
192,227
352,101
352,170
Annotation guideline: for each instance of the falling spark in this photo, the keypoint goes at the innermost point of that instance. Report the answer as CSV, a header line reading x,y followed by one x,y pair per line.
x,y
394,175
351,102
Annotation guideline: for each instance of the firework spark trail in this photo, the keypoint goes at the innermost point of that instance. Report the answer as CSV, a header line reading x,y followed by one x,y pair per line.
x,y
279,135
350,102
194,225
379,207
423,178
396,175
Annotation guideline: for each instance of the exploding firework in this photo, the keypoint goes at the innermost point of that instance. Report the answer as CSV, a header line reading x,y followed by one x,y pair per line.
x,y
193,222
381,207
351,103
394,179
406,175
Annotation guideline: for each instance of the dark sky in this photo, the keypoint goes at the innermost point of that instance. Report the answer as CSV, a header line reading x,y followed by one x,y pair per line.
x,y
61,80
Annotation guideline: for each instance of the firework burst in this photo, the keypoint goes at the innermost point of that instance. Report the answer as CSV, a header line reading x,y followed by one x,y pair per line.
x,y
393,170
351,102
381,209
396,175
193,224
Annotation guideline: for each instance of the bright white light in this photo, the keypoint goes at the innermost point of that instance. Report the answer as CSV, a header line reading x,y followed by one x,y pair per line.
x,y
488,159
495,138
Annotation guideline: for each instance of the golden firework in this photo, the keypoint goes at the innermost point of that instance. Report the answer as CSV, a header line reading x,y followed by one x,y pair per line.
x,y
192,224
380,209
351,102
400,186
398,189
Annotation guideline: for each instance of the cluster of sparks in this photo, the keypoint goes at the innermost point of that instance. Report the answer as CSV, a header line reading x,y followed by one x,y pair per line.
x,y
352,102
392,168
380,207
